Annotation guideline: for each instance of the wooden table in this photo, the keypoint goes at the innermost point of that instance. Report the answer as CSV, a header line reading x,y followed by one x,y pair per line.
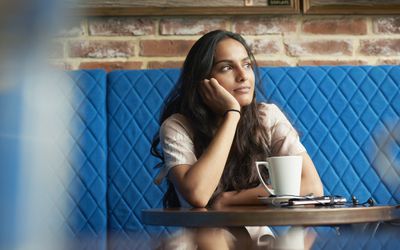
x,y
263,215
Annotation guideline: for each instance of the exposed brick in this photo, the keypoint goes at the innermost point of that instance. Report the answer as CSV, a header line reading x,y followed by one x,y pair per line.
x,y
380,47
100,49
347,26
388,25
388,62
331,62
190,26
319,47
72,28
265,46
121,26
109,66
165,47
166,64
168,50
264,25
272,63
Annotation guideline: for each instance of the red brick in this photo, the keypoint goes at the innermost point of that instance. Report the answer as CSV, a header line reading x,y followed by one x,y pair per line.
x,y
165,47
318,47
121,26
166,64
100,49
380,47
272,63
331,62
110,66
190,26
265,46
387,25
347,26
264,25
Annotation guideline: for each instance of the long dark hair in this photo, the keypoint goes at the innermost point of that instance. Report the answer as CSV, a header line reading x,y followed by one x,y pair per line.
x,y
251,139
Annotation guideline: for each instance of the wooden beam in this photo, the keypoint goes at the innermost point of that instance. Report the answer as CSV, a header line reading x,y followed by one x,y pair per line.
x,y
183,11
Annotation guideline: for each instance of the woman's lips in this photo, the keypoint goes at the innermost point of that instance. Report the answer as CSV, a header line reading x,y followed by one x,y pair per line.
x,y
242,90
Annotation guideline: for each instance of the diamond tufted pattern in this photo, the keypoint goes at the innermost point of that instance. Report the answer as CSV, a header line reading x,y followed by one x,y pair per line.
x,y
134,101
87,214
347,116
343,114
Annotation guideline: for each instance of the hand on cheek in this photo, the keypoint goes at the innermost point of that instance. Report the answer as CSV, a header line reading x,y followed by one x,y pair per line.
x,y
217,97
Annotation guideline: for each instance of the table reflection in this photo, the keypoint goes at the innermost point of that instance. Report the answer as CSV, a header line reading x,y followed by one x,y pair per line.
x,y
352,236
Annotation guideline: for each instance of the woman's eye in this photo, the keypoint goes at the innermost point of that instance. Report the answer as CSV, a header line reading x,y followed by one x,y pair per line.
x,y
247,65
226,68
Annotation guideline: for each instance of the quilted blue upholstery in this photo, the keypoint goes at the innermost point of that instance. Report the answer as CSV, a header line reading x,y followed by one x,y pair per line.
x,y
87,215
345,115
341,113
133,105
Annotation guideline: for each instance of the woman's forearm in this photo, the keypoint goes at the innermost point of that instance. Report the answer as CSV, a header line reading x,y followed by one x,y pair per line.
x,y
243,197
310,181
198,182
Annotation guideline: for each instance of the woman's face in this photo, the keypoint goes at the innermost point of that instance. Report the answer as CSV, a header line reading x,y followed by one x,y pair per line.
x,y
233,70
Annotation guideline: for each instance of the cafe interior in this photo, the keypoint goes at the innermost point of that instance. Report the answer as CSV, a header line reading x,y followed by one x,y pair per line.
x,y
82,87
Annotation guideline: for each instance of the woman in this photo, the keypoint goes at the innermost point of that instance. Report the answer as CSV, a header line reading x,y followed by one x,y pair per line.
x,y
213,130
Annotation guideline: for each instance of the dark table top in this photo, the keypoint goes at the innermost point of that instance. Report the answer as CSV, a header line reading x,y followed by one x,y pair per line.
x,y
262,215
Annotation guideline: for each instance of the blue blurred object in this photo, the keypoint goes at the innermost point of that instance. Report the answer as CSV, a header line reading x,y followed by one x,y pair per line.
x,y
27,189
10,120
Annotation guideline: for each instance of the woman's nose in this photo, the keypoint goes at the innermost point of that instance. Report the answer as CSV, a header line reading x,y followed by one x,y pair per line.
x,y
241,74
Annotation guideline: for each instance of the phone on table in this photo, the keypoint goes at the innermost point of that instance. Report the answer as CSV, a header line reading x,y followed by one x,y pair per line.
x,y
322,201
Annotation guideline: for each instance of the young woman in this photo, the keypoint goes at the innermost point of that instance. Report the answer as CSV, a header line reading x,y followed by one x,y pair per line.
x,y
213,130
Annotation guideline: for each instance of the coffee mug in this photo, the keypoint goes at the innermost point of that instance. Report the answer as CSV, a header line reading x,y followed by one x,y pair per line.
x,y
284,173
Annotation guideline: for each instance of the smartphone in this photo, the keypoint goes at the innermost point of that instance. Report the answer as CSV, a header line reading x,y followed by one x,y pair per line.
x,y
322,201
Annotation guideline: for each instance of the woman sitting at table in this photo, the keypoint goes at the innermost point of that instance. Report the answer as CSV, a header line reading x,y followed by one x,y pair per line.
x,y
213,130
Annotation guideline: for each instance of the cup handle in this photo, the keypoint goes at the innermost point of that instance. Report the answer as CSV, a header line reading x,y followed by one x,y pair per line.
x,y
258,163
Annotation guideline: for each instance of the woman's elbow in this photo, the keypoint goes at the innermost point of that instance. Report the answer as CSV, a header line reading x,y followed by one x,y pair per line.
x,y
197,199
198,202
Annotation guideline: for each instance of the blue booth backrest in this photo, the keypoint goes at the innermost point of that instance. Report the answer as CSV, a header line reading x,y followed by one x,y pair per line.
x,y
87,216
134,101
344,114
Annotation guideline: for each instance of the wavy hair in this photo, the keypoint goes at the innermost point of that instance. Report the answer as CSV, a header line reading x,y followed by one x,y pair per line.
x,y
251,140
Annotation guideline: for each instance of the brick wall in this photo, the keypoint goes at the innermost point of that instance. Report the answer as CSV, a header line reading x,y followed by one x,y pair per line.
x,y
163,42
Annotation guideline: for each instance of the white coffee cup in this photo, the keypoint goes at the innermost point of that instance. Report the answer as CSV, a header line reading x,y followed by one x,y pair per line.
x,y
284,173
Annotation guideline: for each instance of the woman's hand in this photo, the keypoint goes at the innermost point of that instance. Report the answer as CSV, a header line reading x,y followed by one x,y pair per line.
x,y
221,200
216,97
243,197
